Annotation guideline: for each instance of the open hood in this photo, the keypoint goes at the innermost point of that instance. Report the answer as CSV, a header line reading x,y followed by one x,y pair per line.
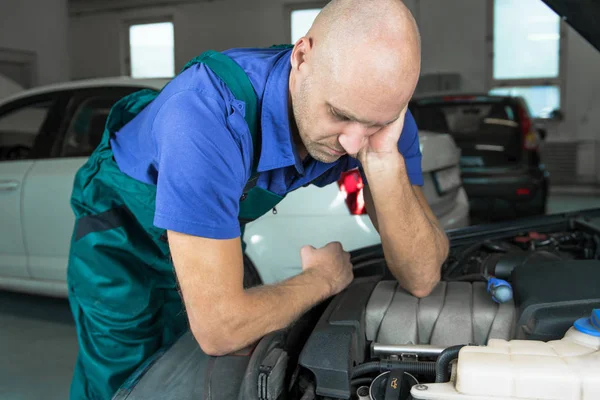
x,y
582,15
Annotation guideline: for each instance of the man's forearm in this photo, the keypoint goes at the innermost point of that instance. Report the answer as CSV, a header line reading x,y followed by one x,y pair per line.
x,y
258,311
414,245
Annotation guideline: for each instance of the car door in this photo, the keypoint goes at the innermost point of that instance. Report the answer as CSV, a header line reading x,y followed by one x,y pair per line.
x,y
24,123
47,216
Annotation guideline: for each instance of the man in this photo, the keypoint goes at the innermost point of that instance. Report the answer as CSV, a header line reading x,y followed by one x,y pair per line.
x,y
185,162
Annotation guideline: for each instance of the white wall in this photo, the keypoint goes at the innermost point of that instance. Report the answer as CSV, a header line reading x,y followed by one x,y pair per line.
x,y
454,35
582,108
97,38
582,88
40,26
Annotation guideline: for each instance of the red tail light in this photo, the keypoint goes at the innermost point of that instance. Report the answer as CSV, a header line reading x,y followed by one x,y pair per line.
x,y
351,184
530,138
523,192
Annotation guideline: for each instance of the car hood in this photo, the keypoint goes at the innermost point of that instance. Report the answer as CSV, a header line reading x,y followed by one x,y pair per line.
x,y
439,151
581,15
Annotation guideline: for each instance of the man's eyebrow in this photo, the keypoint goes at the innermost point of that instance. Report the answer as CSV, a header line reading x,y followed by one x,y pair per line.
x,y
351,117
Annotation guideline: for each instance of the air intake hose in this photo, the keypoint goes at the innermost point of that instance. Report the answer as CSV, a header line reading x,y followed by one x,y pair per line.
x,y
442,365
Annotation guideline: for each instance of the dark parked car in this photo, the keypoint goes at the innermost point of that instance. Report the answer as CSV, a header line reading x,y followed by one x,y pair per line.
x,y
501,167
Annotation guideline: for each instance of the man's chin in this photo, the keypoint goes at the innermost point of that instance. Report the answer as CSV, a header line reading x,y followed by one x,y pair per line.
x,y
325,154
325,157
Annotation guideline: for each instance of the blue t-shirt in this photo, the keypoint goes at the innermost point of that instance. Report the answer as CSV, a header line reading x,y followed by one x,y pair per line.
x,y
193,143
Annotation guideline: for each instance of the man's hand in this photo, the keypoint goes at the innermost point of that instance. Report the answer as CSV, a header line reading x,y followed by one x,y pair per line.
x,y
330,262
382,145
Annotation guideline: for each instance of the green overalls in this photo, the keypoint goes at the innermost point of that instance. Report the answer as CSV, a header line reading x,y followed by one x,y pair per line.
x,y
122,287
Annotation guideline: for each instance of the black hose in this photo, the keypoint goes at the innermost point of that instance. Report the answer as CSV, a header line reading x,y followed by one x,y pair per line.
x,y
442,365
361,381
450,269
412,367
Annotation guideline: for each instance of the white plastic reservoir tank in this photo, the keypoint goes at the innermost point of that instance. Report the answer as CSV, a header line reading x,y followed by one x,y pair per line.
x,y
566,369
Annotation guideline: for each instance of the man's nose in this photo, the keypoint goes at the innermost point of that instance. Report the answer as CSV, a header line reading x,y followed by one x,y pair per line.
x,y
353,138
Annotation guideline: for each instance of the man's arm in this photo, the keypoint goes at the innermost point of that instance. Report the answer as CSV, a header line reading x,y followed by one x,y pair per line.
x,y
408,238
223,316
413,242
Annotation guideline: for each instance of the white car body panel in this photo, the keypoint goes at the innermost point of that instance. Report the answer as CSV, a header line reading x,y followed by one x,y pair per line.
x,y
47,216
316,216
13,256
124,81
37,219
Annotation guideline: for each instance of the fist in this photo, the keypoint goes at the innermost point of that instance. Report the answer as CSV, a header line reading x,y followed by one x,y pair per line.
x,y
331,263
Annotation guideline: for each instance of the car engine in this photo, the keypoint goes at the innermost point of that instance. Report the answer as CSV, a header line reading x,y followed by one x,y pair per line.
x,y
376,341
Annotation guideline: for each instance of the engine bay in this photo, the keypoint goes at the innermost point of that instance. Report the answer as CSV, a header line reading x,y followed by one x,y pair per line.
x,y
376,333
509,320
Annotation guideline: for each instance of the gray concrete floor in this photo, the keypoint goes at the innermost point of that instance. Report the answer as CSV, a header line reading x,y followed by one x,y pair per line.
x,y
38,345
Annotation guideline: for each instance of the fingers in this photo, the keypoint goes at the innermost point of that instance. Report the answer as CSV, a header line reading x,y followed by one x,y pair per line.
x,y
335,246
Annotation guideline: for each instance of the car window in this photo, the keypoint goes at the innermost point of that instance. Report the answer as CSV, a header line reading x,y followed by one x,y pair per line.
x,y
19,128
86,127
487,132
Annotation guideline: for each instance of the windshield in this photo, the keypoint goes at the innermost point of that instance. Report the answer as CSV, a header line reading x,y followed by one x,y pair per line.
x,y
487,132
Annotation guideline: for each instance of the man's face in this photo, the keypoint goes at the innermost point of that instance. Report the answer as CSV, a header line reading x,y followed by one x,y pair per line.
x,y
337,113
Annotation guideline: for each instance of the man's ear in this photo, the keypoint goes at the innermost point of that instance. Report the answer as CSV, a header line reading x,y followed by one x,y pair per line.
x,y
301,52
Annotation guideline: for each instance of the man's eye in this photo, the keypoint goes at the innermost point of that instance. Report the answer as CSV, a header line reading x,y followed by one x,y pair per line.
x,y
338,116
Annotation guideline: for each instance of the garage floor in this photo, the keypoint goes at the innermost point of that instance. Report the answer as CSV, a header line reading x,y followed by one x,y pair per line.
x,y
38,345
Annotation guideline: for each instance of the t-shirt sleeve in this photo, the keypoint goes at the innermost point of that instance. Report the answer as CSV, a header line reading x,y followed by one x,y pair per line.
x,y
201,166
410,148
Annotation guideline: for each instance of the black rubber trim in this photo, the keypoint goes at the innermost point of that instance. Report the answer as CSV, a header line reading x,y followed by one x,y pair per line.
x,y
113,218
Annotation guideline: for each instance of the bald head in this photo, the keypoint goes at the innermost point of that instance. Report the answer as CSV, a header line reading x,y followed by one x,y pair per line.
x,y
379,35
343,20
361,59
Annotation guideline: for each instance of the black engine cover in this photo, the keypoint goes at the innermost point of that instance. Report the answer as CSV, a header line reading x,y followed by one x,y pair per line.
x,y
550,296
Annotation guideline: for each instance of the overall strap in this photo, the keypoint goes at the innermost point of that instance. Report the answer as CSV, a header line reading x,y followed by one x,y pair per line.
x,y
238,82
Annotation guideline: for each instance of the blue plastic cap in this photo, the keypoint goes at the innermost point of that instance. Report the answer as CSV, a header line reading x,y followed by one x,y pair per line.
x,y
503,294
500,290
591,325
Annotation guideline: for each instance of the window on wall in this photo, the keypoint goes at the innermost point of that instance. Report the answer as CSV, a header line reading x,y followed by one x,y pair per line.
x,y
301,21
526,49
152,50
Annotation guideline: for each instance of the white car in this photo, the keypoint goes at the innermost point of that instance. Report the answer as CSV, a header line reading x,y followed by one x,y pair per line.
x,y
46,135
317,216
